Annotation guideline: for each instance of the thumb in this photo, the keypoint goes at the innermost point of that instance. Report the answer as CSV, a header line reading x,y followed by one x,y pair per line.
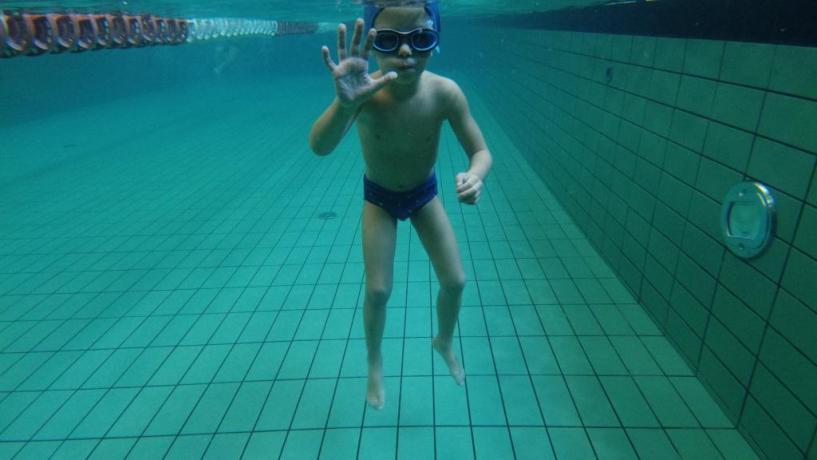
x,y
461,178
385,78
376,84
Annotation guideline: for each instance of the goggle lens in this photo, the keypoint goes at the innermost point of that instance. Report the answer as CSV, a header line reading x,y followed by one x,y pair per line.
x,y
424,40
386,41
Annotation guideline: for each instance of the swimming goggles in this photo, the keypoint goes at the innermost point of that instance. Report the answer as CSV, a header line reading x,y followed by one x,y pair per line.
x,y
420,40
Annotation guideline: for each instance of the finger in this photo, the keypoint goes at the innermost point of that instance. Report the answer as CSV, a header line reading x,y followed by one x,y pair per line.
x,y
467,178
465,185
341,42
469,194
461,180
356,36
327,59
471,199
367,47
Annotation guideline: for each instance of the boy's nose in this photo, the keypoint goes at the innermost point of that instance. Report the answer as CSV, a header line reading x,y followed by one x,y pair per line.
x,y
404,50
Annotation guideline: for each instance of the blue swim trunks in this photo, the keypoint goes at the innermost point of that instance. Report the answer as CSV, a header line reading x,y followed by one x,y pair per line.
x,y
398,203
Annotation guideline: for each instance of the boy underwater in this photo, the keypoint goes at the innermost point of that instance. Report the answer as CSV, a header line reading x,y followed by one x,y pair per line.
x,y
400,110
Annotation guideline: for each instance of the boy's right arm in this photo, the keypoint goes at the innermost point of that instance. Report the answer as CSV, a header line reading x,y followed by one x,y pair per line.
x,y
330,127
353,86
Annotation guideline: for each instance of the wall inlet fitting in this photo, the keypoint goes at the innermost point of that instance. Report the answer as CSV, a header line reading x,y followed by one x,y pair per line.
x,y
748,218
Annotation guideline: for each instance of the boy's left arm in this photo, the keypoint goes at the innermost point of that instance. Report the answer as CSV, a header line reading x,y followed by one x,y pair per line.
x,y
469,183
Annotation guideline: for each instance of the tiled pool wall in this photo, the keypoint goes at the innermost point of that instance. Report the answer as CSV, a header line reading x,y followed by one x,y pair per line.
x,y
640,138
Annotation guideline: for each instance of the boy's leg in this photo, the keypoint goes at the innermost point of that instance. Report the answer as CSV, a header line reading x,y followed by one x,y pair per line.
x,y
435,232
379,236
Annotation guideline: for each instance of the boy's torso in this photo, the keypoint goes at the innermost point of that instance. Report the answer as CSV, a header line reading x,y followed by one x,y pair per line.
x,y
400,137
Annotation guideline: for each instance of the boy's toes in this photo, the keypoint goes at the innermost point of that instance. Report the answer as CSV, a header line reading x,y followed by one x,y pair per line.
x,y
376,399
459,376
375,394
447,353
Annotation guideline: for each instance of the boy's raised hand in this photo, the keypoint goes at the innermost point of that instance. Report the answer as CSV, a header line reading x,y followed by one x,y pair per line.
x,y
353,83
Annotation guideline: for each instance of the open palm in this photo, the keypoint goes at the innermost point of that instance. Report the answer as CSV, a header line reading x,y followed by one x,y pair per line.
x,y
353,84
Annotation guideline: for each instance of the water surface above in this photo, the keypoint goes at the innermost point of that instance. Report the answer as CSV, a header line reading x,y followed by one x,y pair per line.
x,y
302,10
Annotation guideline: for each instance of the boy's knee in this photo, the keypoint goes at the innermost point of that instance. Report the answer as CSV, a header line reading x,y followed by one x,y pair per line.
x,y
454,283
378,295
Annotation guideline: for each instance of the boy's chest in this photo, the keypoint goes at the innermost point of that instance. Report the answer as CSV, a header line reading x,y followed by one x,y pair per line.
x,y
412,126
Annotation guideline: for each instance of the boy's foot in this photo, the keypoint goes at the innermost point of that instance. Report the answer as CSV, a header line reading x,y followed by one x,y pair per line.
x,y
375,395
447,352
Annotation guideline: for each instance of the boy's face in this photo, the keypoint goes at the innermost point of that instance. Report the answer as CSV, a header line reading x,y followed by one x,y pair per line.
x,y
408,63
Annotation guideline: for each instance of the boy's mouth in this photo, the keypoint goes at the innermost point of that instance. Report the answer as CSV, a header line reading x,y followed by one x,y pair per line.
x,y
405,64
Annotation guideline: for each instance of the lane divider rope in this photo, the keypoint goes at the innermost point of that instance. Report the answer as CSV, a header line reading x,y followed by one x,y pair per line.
x,y
36,34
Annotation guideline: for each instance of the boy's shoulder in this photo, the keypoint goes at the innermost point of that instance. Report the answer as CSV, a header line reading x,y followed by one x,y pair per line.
x,y
444,88
441,83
